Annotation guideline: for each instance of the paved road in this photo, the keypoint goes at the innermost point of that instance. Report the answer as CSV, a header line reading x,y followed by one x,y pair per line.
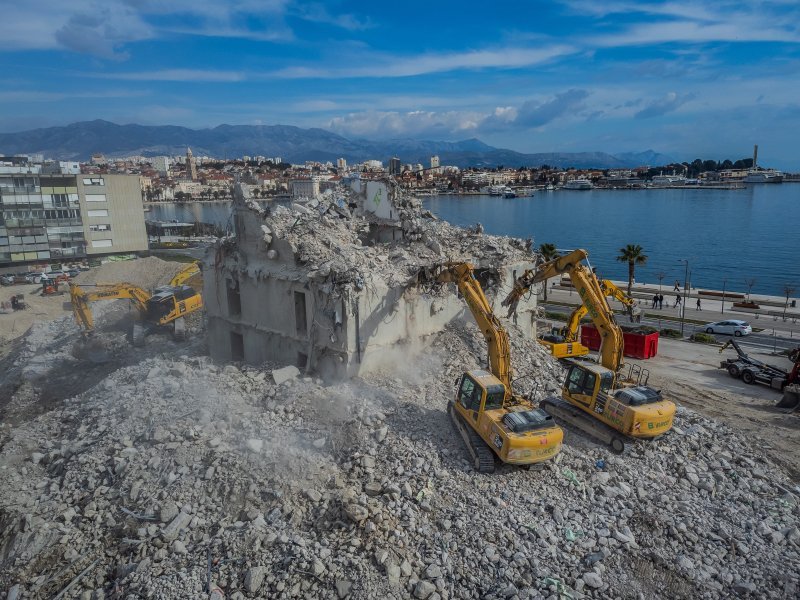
x,y
763,341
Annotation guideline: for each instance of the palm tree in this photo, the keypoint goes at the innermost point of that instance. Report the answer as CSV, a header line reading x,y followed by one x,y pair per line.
x,y
633,254
548,252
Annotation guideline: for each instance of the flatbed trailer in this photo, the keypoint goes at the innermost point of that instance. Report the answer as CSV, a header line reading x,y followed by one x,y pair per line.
x,y
751,370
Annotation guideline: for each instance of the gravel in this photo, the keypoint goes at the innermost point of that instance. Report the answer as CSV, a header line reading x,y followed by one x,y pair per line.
x,y
361,489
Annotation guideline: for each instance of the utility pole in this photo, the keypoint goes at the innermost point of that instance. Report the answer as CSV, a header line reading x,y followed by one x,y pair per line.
x,y
724,284
685,286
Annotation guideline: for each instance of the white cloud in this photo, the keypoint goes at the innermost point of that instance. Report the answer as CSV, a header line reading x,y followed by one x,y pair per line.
x,y
381,65
191,75
407,124
669,103
531,114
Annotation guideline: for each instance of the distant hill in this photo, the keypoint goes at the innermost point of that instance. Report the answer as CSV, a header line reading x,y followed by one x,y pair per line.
x,y
79,141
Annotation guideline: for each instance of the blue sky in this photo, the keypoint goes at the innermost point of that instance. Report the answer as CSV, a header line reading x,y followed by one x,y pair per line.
x,y
690,79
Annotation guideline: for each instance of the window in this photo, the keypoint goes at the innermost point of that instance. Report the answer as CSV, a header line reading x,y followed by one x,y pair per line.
x,y
97,213
95,197
581,381
101,244
234,299
465,394
301,324
101,227
494,397
237,347
93,181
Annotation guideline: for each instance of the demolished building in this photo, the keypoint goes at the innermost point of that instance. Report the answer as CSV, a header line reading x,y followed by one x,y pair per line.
x,y
334,284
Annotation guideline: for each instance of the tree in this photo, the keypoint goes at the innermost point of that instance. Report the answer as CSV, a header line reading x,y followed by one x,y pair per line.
x,y
633,254
548,252
749,283
787,291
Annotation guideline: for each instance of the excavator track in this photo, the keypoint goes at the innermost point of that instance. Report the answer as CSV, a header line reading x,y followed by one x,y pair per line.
x,y
137,335
565,412
179,329
483,459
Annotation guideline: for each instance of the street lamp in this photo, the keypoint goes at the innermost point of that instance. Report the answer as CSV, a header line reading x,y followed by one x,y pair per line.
x,y
724,283
685,285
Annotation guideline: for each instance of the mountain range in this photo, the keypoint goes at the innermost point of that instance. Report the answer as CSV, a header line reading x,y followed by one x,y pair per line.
x,y
78,141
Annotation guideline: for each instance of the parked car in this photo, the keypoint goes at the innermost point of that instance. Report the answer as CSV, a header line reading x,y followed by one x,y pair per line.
x,y
731,327
73,272
33,276
6,279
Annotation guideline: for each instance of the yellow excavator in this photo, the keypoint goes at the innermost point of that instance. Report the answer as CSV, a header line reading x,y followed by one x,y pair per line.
x,y
167,306
596,399
491,419
564,342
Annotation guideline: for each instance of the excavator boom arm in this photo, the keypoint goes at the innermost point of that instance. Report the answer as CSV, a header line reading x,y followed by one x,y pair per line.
x,y
592,295
493,331
185,274
81,300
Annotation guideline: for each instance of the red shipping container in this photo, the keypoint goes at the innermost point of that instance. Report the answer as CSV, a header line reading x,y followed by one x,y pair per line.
x,y
637,345
590,337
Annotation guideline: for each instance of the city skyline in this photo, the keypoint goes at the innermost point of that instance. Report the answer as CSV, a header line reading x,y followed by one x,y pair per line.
x,y
567,76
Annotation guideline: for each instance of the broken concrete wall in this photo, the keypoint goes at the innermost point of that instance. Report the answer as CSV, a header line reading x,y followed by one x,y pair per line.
x,y
299,287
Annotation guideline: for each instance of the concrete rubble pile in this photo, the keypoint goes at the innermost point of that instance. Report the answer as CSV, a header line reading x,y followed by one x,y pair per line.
x,y
175,468
335,244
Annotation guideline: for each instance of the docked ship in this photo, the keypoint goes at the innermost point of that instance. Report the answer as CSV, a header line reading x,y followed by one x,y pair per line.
x,y
756,175
667,180
502,190
763,176
578,184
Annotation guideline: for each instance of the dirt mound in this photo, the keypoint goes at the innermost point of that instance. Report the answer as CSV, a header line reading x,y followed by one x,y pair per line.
x,y
147,272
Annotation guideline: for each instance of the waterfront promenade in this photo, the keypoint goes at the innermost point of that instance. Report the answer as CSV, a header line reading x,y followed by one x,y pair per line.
x,y
771,329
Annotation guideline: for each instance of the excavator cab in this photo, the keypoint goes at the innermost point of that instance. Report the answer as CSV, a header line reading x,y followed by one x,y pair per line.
x,y
492,421
170,303
639,412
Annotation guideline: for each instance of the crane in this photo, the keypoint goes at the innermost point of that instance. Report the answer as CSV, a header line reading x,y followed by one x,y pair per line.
x,y
594,397
167,306
564,343
491,419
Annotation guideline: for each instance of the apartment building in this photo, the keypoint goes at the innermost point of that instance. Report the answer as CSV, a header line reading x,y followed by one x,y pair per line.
x,y
48,214
113,216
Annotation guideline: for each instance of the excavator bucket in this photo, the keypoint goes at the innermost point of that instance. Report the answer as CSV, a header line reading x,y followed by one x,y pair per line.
x,y
91,349
791,398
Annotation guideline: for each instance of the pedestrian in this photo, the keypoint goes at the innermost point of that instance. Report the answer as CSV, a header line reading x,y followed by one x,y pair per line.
x,y
677,300
677,286
655,300
661,301
698,303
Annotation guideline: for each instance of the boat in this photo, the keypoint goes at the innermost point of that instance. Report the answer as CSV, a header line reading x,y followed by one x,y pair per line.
x,y
578,184
757,175
497,190
667,180
509,193
763,176
550,187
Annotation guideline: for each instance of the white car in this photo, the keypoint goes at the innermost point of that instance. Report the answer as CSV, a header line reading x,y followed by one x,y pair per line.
x,y
732,327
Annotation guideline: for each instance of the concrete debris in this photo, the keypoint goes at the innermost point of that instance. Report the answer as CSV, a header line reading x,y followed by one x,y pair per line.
x,y
285,374
366,514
